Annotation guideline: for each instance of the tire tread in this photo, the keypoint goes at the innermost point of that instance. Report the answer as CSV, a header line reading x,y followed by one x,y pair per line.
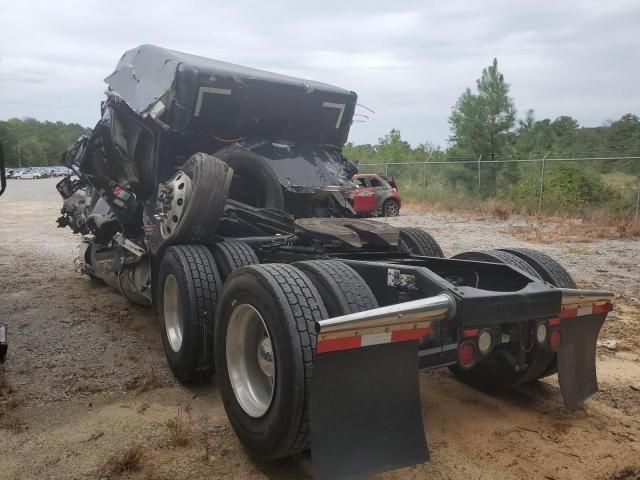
x,y
307,309
232,255
197,261
417,239
346,286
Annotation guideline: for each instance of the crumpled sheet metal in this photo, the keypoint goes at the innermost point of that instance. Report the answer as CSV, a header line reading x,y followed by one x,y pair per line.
x,y
210,97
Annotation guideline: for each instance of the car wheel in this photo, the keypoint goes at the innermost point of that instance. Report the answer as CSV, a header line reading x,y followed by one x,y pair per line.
x,y
390,208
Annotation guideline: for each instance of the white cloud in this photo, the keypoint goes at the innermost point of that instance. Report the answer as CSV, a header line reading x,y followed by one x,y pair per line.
x,y
407,60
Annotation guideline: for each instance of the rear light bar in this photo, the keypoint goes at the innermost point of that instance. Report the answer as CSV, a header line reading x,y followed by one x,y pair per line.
x,y
483,341
577,303
394,323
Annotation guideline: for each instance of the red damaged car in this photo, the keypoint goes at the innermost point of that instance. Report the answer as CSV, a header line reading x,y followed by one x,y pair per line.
x,y
375,195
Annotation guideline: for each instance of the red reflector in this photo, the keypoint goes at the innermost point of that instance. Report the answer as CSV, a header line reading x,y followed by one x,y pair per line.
x,y
466,354
554,321
604,308
334,344
569,313
473,332
554,340
404,335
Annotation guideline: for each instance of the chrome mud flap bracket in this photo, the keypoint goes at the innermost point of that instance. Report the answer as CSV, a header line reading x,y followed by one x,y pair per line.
x,y
365,414
583,314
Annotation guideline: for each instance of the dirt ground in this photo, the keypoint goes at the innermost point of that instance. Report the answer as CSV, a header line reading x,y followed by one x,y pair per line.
x,y
86,392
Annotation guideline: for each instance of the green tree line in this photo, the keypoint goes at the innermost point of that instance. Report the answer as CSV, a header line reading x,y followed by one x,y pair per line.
x,y
562,137
484,124
30,143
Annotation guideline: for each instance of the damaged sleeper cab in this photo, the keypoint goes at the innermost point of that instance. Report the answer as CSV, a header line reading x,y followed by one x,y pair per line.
x,y
316,327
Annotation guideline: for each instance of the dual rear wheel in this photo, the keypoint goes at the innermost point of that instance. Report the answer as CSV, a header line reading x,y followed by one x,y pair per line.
x,y
495,372
259,332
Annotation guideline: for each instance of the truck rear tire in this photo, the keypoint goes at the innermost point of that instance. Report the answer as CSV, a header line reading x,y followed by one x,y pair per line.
x,y
499,256
548,269
232,255
552,272
189,286
265,339
419,242
541,362
341,288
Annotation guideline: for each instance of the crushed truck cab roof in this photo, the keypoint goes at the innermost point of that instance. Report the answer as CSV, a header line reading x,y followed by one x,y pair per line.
x,y
202,95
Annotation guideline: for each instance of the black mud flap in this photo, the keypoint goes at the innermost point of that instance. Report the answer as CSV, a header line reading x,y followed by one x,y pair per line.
x,y
577,358
365,411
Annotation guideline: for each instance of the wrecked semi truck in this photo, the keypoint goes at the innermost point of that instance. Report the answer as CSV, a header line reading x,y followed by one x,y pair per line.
x,y
204,192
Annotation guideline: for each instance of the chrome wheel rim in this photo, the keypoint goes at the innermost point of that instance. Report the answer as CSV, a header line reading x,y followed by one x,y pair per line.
x,y
250,360
391,209
173,313
174,198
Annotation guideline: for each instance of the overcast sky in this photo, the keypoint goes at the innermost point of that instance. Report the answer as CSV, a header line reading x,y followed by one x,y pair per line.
x,y
407,60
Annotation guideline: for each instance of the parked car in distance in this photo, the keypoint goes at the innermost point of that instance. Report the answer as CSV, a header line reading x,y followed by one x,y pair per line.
x,y
362,199
27,174
388,201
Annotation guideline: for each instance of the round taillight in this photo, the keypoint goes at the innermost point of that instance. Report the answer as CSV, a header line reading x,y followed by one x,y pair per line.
x,y
541,332
485,342
466,354
554,340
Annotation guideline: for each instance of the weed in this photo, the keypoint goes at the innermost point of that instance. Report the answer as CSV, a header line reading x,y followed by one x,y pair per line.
x,y
127,460
6,388
14,424
179,430
149,380
628,229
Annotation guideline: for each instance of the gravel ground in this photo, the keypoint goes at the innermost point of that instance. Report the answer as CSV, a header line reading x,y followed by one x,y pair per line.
x,y
86,392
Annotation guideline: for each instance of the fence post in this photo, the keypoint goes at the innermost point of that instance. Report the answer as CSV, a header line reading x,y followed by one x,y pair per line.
x,y
638,200
541,183
424,179
386,170
478,194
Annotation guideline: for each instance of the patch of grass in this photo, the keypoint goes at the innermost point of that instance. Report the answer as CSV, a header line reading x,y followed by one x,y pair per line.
x,y
6,388
577,250
542,229
147,381
179,430
127,460
14,424
12,404
628,229
495,209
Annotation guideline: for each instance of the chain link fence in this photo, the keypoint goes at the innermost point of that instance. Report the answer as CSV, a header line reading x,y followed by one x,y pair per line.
x,y
577,187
